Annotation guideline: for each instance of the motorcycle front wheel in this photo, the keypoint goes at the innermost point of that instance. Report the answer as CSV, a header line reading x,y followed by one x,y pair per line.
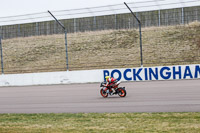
x,y
103,93
121,92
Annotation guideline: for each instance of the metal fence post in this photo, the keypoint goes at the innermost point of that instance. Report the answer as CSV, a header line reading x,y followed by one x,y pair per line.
x,y
2,71
182,15
136,24
74,25
196,14
140,31
48,29
158,17
141,56
65,38
115,21
95,24
54,28
18,31
36,29
66,50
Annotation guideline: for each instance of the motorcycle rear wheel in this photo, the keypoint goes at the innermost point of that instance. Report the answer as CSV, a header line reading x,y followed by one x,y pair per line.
x,y
103,93
121,92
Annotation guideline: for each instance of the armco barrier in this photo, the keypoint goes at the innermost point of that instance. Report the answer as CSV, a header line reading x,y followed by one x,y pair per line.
x,y
92,76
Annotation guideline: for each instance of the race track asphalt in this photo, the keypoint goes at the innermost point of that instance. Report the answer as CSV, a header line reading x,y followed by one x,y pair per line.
x,y
154,96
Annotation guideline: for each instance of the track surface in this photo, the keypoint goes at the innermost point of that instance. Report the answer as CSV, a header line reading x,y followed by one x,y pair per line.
x,y
156,96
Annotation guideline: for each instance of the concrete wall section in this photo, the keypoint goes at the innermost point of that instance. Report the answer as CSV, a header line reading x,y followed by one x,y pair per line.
x,y
91,76
51,78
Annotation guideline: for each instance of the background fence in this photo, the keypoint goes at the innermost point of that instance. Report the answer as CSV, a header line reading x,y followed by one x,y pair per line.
x,y
96,23
106,41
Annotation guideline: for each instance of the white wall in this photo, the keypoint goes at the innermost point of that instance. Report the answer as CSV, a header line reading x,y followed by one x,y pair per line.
x,y
51,78
91,76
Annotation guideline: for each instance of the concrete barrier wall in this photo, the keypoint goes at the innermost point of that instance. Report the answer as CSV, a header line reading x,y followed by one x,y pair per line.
x,y
155,73
51,78
92,76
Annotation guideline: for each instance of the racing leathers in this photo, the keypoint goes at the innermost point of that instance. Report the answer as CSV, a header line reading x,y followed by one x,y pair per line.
x,y
110,81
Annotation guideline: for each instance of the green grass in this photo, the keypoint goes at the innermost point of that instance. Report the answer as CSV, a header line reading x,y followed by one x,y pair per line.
x,y
170,45
102,123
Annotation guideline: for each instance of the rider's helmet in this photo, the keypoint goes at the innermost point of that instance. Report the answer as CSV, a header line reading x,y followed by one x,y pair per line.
x,y
107,77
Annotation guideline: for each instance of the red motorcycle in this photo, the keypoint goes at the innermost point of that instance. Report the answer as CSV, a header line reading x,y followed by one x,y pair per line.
x,y
112,89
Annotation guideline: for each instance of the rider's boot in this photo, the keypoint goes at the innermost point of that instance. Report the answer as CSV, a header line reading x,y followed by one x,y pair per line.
x,y
107,91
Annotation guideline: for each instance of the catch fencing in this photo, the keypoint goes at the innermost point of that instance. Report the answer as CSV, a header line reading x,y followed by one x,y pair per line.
x,y
116,21
106,38
150,12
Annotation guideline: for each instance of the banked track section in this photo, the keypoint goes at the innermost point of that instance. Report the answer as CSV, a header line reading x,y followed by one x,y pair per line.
x,y
154,96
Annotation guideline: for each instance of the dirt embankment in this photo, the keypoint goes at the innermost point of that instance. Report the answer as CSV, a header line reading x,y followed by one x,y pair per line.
x,y
171,45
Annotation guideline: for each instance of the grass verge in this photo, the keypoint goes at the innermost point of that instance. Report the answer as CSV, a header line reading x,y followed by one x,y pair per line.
x,y
105,122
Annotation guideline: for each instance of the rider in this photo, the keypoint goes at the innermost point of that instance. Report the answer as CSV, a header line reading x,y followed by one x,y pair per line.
x,y
109,82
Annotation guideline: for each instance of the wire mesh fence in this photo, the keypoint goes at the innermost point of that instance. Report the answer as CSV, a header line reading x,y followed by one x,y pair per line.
x,y
96,23
169,36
